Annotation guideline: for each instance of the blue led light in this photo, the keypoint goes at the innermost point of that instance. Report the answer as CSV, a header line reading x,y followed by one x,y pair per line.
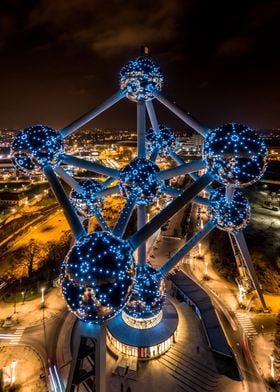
x,y
86,201
140,78
140,175
163,139
35,147
230,215
97,276
235,154
148,293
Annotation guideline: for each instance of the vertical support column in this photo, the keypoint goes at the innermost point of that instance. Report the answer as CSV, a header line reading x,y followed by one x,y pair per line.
x,y
141,129
141,221
77,374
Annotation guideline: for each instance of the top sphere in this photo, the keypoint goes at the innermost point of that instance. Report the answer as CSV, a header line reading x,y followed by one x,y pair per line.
x,y
34,147
140,78
236,154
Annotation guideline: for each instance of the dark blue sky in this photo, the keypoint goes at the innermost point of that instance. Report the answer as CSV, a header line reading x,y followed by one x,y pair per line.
x,y
60,58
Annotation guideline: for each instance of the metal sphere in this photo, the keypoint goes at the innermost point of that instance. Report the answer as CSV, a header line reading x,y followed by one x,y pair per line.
x,y
140,175
35,147
231,215
139,78
97,277
235,154
86,201
163,138
148,293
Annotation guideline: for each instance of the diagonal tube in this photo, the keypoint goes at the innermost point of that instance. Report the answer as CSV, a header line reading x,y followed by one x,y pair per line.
x,y
108,191
243,249
91,114
195,177
171,191
100,219
152,115
154,154
91,166
171,209
189,120
187,168
68,179
141,221
125,215
171,263
70,214
177,158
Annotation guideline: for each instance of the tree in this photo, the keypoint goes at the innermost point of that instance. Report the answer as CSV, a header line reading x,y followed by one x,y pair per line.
x,y
32,253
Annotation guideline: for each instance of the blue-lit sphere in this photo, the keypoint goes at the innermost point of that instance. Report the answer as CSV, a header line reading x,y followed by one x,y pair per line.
x,y
35,147
140,78
231,215
86,201
140,175
97,276
162,138
148,293
236,154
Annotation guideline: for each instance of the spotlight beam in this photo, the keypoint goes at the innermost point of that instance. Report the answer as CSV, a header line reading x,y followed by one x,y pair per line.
x,y
141,129
125,215
108,191
152,115
91,166
91,114
243,249
171,263
151,227
186,118
182,169
70,214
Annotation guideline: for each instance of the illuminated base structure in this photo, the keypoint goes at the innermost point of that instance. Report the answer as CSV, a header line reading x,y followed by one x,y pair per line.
x,y
146,338
102,282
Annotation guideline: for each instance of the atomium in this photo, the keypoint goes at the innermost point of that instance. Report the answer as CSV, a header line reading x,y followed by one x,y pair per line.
x,y
163,139
35,147
140,175
97,276
86,201
148,293
235,154
140,78
230,215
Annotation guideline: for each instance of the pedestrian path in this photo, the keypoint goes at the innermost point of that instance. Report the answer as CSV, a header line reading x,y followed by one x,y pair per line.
x,y
246,324
14,338
189,374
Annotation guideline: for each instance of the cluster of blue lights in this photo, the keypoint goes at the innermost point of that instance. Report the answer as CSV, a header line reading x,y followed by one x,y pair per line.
x,y
35,147
86,201
140,175
235,154
148,293
140,78
97,276
230,215
162,138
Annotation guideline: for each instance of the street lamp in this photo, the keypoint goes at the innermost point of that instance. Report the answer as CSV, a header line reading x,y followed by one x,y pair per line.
x,y
43,297
272,373
206,269
13,371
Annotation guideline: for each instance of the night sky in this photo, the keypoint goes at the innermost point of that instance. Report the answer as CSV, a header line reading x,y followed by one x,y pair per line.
x,y
60,58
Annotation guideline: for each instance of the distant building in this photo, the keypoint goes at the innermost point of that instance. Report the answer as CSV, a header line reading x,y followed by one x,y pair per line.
x,y
12,199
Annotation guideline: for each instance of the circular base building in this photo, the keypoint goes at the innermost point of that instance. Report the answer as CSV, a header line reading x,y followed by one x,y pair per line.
x,y
143,338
